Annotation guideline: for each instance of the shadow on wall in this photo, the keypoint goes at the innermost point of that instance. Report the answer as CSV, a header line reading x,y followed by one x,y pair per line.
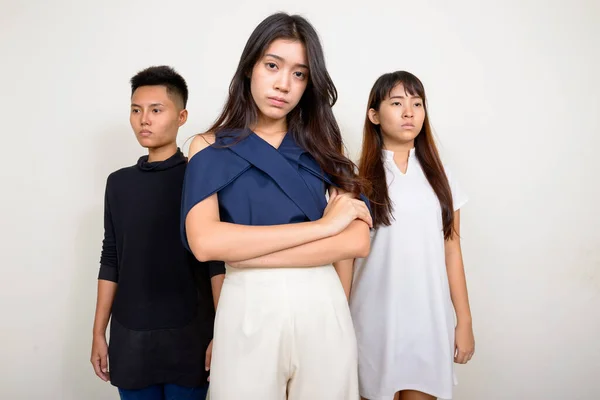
x,y
113,148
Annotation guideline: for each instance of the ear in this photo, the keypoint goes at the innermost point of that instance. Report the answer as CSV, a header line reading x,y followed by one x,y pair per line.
x,y
373,116
183,115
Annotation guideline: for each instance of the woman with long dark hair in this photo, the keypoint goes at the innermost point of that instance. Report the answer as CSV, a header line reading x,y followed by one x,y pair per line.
x,y
255,197
406,292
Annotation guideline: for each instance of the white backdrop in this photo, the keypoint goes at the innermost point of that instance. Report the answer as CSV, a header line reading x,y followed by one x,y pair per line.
x,y
513,92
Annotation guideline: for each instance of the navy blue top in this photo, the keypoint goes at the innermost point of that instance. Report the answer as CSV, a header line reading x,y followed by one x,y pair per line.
x,y
257,183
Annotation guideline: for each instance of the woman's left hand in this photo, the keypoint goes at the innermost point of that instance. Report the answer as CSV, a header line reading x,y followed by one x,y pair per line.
x,y
464,343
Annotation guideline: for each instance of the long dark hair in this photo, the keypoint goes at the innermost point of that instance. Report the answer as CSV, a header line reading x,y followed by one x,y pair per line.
x,y
371,161
311,122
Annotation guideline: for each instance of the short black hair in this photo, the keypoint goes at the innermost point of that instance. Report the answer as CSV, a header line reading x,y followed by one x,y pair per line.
x,y
162,75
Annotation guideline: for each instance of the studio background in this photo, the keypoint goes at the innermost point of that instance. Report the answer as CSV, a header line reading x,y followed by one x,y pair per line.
x,y
513,96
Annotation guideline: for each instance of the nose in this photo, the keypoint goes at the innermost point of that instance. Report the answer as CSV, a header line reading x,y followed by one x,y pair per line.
x,y
283,82
145,118
408,111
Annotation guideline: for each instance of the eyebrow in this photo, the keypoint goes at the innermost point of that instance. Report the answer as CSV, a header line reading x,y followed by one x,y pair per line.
x,y
402,97
282,59
151,105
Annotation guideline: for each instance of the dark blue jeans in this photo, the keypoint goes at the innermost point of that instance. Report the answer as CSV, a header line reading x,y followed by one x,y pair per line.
x,y
165,392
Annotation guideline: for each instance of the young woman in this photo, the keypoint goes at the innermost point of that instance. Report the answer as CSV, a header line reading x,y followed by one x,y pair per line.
x,y
404,291
255,197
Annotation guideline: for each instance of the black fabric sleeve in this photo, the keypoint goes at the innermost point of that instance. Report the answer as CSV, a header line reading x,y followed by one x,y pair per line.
x,y
109,265
216,268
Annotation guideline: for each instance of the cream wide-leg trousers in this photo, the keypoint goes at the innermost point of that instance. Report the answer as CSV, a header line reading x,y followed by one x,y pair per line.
x,y
283,333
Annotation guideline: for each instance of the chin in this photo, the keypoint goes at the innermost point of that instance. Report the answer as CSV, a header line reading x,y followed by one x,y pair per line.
x,y
274,113
147,143
407,136
144,142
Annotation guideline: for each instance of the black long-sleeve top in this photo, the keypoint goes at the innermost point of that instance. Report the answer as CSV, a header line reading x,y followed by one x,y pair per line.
x,y
163,313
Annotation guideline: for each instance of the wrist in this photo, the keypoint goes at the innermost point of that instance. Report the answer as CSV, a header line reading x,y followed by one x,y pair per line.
x,y
323,229
464,320
99,334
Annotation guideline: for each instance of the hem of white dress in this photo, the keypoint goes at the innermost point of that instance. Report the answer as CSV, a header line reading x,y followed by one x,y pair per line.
x,y
419,388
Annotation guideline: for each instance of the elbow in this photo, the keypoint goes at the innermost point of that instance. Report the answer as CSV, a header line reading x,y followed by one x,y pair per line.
x,y
201,249
364,248
201,240
361,243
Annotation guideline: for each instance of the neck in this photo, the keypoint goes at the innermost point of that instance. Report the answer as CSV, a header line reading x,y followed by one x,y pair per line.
x,y
268,126
400,149
162,153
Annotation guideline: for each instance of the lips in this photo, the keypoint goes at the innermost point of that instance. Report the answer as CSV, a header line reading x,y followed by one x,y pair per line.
x,y
408,126
145,133
277,101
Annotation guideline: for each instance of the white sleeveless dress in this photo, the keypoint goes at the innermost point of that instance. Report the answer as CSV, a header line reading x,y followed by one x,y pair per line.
x,y
400,303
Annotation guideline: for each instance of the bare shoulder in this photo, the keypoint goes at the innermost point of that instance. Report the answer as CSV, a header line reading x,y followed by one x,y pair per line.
x,y
200,142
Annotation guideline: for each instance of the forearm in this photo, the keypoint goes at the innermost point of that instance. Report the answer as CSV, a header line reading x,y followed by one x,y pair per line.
x,y
232,242
458,284
216,283
351,243
104,301
344,270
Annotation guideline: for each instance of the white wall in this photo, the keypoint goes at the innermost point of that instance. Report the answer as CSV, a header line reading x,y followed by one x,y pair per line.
x,y
513,88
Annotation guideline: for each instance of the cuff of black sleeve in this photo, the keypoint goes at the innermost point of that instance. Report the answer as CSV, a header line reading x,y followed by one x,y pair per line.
x,y
108,273
216,268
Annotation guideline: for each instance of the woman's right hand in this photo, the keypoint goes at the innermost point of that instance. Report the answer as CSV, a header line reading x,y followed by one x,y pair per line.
x,y
99,358
342,209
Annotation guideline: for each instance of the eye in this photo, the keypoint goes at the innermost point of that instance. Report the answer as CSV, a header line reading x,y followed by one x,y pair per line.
x,y
271,65
135,111
396,103
156,110
418,104
300,75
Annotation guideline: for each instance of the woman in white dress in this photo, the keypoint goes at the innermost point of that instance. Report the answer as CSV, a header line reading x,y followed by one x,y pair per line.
x,y
409,297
